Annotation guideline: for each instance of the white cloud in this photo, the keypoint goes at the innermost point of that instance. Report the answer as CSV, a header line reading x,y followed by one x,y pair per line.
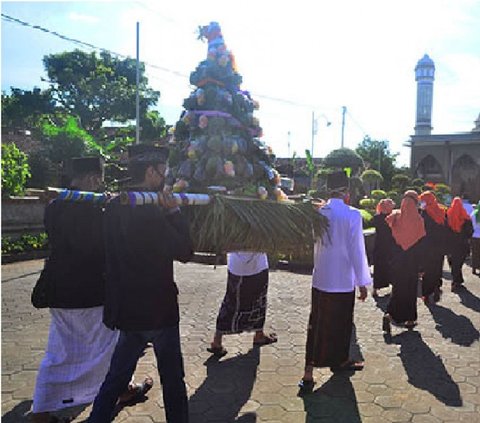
x,y
80,17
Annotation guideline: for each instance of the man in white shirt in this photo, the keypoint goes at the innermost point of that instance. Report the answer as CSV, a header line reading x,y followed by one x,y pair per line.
x,y
340,265
244,306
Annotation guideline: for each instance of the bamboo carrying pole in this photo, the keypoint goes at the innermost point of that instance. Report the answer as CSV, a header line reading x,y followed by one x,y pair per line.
x,y
132,198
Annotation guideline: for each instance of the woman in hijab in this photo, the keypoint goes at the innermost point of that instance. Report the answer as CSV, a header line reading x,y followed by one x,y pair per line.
x,y
434,217
384,243
408,231
461,230
475,216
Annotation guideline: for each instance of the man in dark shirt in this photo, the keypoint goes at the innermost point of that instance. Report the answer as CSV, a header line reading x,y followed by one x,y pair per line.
x,y
79,346
141,296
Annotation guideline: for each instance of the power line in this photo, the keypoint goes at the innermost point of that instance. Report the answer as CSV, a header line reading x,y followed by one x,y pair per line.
x,y
153,66
365,134
88,45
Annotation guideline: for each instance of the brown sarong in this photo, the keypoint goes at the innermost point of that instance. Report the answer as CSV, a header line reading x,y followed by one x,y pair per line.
x,y
329,328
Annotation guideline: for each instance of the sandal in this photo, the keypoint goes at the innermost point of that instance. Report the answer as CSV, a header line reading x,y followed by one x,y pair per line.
x,y
266,340
352,366
136,392
217,351
306,387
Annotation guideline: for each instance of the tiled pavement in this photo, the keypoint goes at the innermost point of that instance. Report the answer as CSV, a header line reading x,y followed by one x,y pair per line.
x,y
427,375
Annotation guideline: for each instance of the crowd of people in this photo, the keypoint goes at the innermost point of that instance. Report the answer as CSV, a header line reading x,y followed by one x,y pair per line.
x,y
411,245
109,285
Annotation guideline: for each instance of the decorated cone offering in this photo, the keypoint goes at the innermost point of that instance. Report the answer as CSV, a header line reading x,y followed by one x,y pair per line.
x,y
217,139
217,148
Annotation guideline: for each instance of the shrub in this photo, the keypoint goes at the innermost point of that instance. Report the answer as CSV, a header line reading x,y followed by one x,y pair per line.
x,y
27,242
367,203
442,189
418,182
378,194
367,219
15,170
400,181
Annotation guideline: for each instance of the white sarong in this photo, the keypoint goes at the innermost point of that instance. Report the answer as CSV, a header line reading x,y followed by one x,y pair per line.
x,y
76,359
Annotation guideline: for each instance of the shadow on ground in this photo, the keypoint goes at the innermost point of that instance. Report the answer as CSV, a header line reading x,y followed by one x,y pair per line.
x,y
226,389
334,401
459,329
468,299
425,370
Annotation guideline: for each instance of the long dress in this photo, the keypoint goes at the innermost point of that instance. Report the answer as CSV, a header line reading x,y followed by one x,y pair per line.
x,y
432,262
459,249
402,306
382,252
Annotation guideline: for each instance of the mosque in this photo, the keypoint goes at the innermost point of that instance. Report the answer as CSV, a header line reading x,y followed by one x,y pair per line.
x,y
453,159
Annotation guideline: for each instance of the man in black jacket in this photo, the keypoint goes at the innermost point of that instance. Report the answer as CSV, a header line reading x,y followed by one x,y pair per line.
x,y
141,296
79,345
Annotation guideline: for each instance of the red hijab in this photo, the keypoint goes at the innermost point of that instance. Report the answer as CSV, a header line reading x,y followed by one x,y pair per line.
x,y
457,215
407,224
432,208
385,206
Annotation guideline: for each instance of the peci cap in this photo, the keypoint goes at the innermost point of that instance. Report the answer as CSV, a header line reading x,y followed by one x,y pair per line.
x,y
147,153
337,181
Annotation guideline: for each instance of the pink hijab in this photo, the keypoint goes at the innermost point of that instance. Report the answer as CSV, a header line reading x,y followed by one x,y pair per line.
x,y
407,224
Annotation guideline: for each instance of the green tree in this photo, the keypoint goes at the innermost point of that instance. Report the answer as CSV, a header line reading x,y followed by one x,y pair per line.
x,y
15,171
97,88
342,158
23,108
66,139
376,155
400,182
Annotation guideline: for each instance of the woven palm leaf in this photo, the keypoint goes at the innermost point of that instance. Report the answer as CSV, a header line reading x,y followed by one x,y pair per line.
x,y
247,224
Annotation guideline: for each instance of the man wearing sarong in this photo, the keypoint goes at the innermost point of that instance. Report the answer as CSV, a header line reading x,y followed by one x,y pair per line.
x,y
340,265
244,306
141,243
79,344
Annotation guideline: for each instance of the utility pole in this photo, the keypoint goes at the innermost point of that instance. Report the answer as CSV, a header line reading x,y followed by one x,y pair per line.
x,y
344,110
137,98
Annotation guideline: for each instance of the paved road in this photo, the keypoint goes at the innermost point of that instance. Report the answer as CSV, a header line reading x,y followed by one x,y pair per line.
x,y
427,375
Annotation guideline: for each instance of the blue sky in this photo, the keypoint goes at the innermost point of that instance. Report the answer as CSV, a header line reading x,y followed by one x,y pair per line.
x,y
295,58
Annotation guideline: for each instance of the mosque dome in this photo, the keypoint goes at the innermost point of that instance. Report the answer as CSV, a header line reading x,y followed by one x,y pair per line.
x,y
425,62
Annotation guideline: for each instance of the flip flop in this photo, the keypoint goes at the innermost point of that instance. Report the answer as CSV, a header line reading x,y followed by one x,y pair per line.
x,y
352,366
217,351
136,392
266,340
